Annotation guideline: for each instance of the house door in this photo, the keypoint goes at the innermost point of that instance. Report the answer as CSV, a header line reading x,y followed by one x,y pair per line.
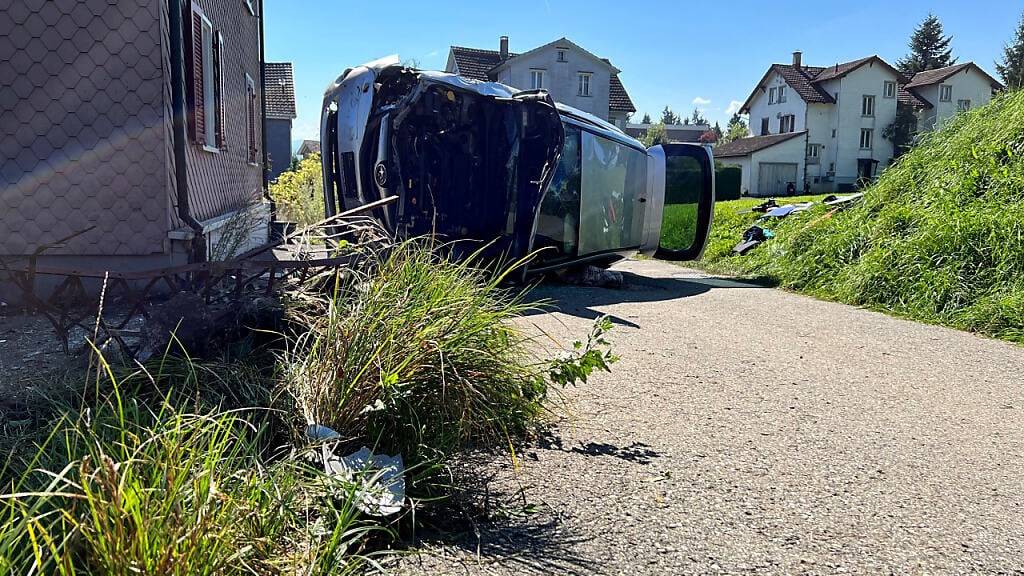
x,y
774,177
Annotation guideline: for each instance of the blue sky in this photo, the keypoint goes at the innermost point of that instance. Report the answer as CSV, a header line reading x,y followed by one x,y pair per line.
x,y
681,54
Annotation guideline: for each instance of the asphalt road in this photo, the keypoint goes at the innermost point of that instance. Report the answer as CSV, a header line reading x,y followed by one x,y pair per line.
x,y
749,430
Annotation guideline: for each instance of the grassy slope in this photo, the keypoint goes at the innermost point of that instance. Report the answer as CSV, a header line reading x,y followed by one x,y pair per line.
x,y
939,238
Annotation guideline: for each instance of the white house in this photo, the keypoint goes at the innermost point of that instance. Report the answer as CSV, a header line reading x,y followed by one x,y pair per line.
x,y
834,118
572,75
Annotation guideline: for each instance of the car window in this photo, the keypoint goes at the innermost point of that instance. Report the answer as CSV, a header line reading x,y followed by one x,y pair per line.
x,y
614,178
559,219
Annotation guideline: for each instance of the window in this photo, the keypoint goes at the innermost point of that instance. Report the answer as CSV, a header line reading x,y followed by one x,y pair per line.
x,y
252,115
867,106
866,138
207,94
771,95
561,55
787,123
945,93
833,132
536,79
764,126
889,90
963,105
813,150
782,94
584,83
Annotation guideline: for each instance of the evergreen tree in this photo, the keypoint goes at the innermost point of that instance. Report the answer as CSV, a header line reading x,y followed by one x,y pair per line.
x,y
698,118
1012,66
736,129
669,118
718,132
929,48
647,119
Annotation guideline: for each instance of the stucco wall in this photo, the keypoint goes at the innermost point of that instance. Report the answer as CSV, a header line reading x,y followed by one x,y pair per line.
x,y
279,146
788,152
83,129
866,80
760,108
561,77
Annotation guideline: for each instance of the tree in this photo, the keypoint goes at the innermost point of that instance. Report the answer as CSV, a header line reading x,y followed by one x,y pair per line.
x,y
1012,66
903,130
736,129
718,132
668,117
698,118
655,135
929,48
647,119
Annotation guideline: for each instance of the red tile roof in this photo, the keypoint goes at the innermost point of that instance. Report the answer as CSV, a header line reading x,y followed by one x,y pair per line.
x,y
929,77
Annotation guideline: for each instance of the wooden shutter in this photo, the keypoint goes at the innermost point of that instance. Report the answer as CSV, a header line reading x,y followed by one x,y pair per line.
x,y
218,67
195,73
250,116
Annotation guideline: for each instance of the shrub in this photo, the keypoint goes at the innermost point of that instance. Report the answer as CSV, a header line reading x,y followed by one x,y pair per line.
x,y
299,193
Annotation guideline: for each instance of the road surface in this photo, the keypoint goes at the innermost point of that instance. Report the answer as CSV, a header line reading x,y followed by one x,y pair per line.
x,y
752,431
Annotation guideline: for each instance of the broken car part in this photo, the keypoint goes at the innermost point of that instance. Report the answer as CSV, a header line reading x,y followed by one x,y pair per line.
x,y
509,169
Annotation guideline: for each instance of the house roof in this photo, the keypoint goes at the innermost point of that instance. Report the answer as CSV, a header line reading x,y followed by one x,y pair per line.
x,y
747,146
910,97
806,80
280,88
478,64
930,77
562,42
309,147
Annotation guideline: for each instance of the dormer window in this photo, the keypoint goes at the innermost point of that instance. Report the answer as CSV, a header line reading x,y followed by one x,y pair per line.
x,y
562,55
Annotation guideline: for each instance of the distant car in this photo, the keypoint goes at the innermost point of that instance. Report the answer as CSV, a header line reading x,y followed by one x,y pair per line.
x,y
484,161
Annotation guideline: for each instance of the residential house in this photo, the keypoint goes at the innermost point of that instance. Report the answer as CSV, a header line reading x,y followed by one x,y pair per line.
x,y
132,129
309,147
572,75
822,128
949,90
676,133
280,90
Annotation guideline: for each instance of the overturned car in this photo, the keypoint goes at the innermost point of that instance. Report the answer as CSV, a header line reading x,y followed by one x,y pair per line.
x,y
511,169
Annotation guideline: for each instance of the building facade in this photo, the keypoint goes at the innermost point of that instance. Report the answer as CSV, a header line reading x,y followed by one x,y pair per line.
x,y
572,75
280,114
96,167
841,113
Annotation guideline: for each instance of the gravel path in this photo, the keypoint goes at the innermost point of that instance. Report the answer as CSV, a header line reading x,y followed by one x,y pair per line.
x,y
748,430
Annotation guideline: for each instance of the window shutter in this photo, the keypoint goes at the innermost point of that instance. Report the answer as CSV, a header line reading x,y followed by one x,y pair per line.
x,y
218,64
198,115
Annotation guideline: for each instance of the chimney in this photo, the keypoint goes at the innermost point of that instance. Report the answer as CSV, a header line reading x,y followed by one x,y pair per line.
x,y
504,48
798,59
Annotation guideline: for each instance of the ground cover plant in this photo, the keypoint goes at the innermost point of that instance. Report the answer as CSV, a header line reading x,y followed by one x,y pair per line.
x,y
938,238
299,192
203,466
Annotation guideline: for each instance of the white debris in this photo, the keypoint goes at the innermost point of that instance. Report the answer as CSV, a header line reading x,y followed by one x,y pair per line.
x,y
382,478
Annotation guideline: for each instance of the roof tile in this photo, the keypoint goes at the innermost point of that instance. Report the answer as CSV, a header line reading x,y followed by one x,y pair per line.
x,y
745,146
280,89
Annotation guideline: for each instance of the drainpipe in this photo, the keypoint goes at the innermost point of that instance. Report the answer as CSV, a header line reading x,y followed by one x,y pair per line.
x,y
263,112
180,136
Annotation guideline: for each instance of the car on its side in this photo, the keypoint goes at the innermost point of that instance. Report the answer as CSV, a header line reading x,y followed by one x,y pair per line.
x,y
508,168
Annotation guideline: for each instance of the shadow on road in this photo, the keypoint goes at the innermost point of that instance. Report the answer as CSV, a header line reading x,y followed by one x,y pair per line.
x,y
583,301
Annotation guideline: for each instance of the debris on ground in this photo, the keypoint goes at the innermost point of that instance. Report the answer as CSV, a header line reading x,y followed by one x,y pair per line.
x,y
381,477
756,235
593,276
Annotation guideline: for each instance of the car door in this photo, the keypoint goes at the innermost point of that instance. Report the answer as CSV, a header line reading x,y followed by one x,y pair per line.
x,y
682,201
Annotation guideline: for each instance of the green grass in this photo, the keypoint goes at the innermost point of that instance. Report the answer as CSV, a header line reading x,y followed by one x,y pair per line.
x,y
188,467
939,238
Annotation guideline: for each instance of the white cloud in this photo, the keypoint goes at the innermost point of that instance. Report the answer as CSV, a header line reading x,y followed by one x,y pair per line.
x,y
698,101
734,107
